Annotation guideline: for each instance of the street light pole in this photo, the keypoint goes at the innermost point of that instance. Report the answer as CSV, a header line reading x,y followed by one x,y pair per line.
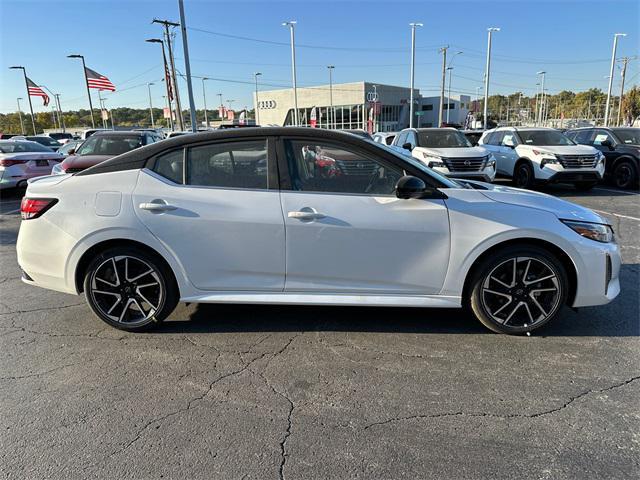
x,y
625,60
26,84
291,24
541,108
153,125
86,83
613,62
187,67
257,112
450,68
204,100
57,107
412,73
331,115
20,115
490,31
64,127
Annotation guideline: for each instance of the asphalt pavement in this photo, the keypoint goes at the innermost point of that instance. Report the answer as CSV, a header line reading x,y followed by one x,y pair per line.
x,y
233,392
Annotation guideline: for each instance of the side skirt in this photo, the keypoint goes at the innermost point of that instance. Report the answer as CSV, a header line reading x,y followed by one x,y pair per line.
x,y
296,298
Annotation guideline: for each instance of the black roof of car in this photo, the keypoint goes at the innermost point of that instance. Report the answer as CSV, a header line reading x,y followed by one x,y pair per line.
x,y
119,133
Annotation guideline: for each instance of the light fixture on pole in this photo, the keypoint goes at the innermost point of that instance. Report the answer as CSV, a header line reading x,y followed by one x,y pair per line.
x,y
490,31
291,24
20,115
542,73
86,83
153,125
26,84
257,112
413,70
331,116
613,62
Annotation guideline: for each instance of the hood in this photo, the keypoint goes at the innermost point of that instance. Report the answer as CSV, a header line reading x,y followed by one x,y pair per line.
x,y
564,149
26,156
541,201
84,161
457,152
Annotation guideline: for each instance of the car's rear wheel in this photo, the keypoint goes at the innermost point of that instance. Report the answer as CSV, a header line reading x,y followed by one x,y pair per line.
x,y
518,290
625,174
523,176
130,289
584,186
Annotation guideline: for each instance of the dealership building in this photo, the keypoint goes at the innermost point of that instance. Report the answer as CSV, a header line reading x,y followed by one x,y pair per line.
x,y
358,105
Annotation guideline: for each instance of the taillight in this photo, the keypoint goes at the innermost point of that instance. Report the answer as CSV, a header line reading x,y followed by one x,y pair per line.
x,y
9,163
35,207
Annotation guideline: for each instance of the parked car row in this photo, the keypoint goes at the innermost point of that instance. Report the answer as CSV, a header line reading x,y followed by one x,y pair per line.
x,y
529,156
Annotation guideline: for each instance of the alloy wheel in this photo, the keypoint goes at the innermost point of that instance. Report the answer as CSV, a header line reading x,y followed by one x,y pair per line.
x,y
127,290
521,292
623,175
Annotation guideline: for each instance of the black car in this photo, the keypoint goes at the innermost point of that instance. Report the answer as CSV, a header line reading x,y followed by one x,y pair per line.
x,y
621,147
52,143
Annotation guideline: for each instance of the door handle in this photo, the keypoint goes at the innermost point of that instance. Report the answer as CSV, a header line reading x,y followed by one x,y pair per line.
x,y
306,213
157,206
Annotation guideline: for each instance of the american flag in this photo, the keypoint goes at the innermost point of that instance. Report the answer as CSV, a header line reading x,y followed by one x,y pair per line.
x,y
167,77
96,80
36,91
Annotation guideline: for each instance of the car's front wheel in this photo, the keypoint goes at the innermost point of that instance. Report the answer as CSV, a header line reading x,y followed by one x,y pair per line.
x,y
625,174
523,176
130,289
518,290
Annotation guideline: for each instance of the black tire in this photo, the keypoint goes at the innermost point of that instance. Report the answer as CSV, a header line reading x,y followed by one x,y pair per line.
x,y
111,296
584,186
523,176
492,309
625,174
22,184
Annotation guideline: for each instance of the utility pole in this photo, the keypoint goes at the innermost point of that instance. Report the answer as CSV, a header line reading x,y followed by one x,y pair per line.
x,y
542,73
450,68
257,114
174,80
625,60
490,31
26,84
331,112
102,110
187,67
64,127
20,115
613,62
291,24
413,71
151,105
166,79
204,100
443,50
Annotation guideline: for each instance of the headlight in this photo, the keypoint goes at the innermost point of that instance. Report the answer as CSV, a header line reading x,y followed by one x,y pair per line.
x,y
434,160
594,231
436,164
491,163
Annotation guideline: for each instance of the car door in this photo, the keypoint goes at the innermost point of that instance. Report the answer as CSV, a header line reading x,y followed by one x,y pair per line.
x,y
508,156
347,232
216,207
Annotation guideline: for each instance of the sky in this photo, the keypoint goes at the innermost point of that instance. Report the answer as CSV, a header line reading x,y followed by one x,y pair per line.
x,y
365,40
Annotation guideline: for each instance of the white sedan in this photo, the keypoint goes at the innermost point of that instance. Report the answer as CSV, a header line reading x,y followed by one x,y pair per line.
x,y
305,216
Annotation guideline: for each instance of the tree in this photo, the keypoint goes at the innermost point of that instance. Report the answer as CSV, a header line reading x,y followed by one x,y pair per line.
x,y
631,105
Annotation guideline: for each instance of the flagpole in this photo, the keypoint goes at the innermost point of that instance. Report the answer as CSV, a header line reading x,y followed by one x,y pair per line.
x,y
86,83
26,84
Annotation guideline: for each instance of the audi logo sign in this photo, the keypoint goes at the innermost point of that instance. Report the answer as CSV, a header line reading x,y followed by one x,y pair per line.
x,y
267,104
372,96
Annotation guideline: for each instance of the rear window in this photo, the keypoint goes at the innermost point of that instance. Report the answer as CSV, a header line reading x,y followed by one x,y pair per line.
x,y
110,145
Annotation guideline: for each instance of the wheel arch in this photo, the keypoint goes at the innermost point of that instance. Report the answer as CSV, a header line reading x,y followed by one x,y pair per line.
x,y
625,157
562,256
91,252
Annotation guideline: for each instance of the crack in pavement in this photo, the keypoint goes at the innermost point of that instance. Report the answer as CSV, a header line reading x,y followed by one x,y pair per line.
x,y
42,309
40,374
507,416
198,398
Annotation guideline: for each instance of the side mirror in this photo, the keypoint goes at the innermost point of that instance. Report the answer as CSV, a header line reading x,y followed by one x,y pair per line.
x,y
407,146
71,151
607,143
411,187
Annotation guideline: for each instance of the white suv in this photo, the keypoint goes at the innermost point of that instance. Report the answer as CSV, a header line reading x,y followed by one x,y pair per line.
x,y
447,151
543,155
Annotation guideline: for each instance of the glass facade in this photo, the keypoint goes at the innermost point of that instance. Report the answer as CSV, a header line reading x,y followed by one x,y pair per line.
x,y
349,117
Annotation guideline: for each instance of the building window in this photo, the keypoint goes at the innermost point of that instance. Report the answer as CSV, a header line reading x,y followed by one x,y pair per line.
x,y
427,108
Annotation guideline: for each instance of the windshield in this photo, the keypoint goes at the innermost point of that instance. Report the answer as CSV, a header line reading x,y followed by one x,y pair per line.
x,y
49,142
60,135
442,139
19,147
447,182
544,137
628,136
68,146
108,145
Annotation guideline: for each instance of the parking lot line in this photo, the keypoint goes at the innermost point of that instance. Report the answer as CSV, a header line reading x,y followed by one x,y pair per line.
x,y
616,215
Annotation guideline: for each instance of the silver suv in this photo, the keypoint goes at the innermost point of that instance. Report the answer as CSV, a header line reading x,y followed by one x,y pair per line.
x,y
543,155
